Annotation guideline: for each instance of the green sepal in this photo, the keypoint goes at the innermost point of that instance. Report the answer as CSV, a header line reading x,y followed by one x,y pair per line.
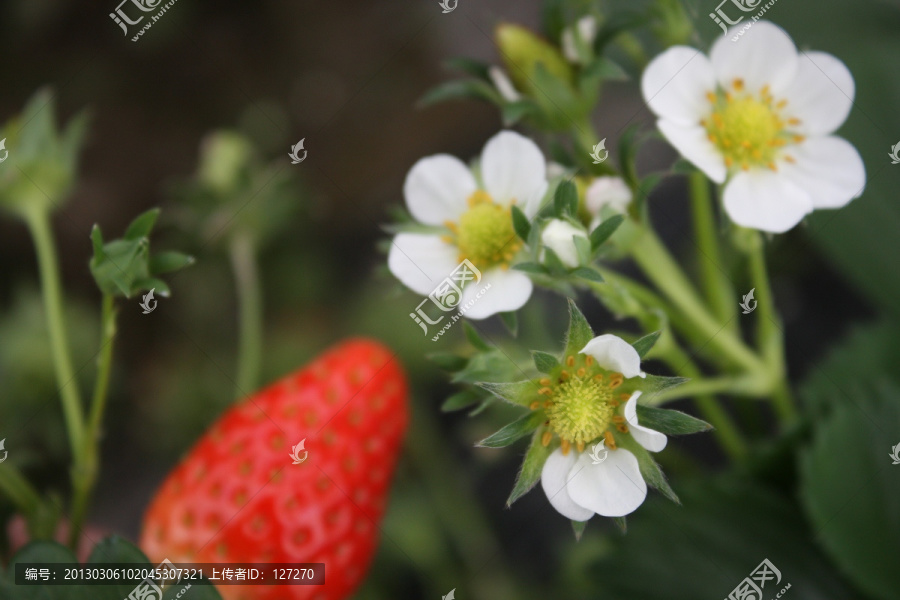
x,y
554,264
520,223
142,225
532,465
511,321
583,248
621,524
580,332
578,528
565,201
448,361
474,338
652,384
469,66
651,471
460,400
588,274
515,431
604,230
544,361
167,262
647,342
463,89
670,422
530,267
521,393
492,365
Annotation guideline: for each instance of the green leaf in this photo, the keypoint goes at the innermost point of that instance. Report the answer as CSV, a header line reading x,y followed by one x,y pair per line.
x,y
579,333
142,225
167,262
460,400
565,201
469,66
474,338
511,321
583,247
670,422
618,23
97,242
447,361
530,267
652,473
652,384
588,274
554,264
521,393
530,473
578,528
513,112
493,365
604,230
544,362
487,402
115,549
851,489
515,431
621,524
644,344
520,223
461,90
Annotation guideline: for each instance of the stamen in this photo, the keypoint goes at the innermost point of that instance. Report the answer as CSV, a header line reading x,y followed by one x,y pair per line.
x,y
609,439
570,361
589,360
580,372
545,381
622,427
580,446
545,391
534,405
545,438
565,447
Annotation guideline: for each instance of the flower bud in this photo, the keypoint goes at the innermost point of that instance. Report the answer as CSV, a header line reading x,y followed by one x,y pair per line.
x,y
605,192
557,236
522,51
224,156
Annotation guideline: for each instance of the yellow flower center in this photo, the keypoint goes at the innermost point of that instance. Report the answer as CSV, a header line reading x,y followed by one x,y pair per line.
x,y
581,403
485,233
749,130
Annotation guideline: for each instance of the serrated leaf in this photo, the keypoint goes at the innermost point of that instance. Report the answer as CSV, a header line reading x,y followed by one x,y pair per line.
x,y
460,400
521,393
511,321
670,422
544,361
530,472
448,361
515,431
580,332
565,201
142,225
588,274
167,262
474,337
604,230
646,343
520,223
530,267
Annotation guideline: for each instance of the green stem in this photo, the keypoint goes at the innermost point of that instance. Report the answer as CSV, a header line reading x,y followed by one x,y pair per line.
x,y
86,475
249,293
718,288
656,262
38,221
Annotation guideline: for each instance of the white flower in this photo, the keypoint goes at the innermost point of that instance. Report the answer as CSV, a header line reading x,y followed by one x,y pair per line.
x,y
504,84
441,190
606,191
585,407
558,236
759,116
587,33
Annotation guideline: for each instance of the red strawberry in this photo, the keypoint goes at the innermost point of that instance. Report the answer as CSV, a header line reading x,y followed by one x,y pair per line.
x,y
237,497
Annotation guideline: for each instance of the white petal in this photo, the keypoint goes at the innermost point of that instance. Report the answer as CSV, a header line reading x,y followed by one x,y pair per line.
x,y
764,55
765,200
675,85
501,291
558,236
504,84
437,188
513,169
821,95
615,354
829,169
693,144
554,477
650,439
607,191
614,488
421,261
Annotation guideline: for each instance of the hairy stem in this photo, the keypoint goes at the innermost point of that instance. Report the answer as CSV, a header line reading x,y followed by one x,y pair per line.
x,y
249,293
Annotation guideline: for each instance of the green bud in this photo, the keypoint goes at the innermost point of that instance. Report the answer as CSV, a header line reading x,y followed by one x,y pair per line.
x,y
672,25
522,51
224,156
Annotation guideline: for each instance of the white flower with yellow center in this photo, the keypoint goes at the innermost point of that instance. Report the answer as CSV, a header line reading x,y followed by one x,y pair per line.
x,y
441,190
758,116
584,406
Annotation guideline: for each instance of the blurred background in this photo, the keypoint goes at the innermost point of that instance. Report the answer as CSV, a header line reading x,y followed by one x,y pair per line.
x,y
346,77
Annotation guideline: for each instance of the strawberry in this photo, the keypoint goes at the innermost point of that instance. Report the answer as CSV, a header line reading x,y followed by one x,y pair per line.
x,y
238,497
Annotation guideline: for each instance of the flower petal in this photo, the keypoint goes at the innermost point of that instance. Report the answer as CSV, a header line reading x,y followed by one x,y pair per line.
x,y
765,200
615,354
614,488
764,55
607,191
829,169
437,188
504,84
675,85
421,261
558,236
499,291
693,144
821,95
554,477
513,169
650,439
